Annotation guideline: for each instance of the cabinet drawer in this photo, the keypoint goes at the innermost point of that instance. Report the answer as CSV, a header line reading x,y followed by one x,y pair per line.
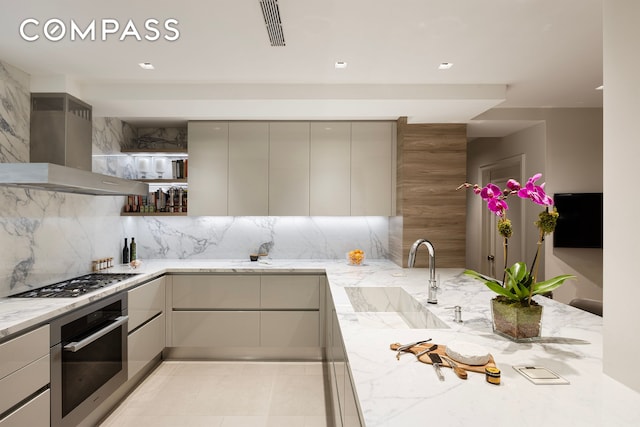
x,y
145,301
145,344
290,329
21,351
290,292
216,329
216,292
22,383
34,413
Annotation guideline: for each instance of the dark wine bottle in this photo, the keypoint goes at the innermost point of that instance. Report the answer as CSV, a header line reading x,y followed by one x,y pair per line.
x,y
125,252
132,249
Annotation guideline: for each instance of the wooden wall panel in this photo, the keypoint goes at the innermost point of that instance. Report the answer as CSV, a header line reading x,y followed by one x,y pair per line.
x,y
431,164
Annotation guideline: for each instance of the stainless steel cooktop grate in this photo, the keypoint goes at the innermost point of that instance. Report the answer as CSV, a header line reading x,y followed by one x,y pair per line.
x,y
77,286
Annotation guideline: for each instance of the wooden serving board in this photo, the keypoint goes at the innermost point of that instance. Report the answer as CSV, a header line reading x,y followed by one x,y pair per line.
x,y
441,351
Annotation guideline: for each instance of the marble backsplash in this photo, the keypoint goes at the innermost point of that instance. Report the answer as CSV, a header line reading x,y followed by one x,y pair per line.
x,y
237,237
47,235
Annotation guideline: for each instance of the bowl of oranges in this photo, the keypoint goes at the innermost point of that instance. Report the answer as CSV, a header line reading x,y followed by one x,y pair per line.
x,y
355,257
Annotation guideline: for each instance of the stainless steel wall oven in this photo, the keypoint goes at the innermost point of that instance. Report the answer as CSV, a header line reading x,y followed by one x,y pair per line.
x,y
88,358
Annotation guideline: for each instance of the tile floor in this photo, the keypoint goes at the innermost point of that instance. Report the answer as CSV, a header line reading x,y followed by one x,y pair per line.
x,y
225,394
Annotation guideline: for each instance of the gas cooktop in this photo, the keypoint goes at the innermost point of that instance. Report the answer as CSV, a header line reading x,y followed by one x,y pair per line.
x,y
75,287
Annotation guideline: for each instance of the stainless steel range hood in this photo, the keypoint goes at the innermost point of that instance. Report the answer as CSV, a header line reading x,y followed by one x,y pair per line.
x,y
52,177
60,152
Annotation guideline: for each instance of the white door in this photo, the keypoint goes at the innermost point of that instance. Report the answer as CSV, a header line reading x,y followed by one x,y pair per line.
x,y
493,242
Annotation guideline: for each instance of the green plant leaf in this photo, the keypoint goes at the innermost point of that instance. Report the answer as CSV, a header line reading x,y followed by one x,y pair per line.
x,y
492,284
518,271
518,283
479,276
518,280
551,284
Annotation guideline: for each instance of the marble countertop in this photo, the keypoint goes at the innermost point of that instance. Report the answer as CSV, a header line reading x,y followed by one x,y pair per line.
x,y
399,393
18,314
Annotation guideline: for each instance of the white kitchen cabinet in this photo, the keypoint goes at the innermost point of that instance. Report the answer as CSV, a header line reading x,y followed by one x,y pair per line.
x,y
330,168
289,168
371,168
24,371
299,326
350,412
145,343
254,168
248,169
246,316
344,402
146,326
208,168
216,329
216,292
33,413
212,310
145,302
22,350
290,329
290,292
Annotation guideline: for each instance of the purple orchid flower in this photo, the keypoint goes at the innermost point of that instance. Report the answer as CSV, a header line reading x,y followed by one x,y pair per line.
x,y
493,196
497,206
535,192
490,191
513,185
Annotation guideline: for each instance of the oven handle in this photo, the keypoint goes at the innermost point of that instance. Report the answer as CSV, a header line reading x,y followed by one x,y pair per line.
x,y
75,346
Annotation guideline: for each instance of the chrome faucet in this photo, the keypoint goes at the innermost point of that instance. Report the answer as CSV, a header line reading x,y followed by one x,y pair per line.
x,y
433,284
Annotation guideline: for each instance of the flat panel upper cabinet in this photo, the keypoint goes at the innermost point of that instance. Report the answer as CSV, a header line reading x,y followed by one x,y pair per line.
x,y
248,169
330,168
289,168
208,168
371,168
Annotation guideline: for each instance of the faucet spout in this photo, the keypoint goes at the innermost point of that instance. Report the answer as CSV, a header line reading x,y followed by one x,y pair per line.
x,y
433,284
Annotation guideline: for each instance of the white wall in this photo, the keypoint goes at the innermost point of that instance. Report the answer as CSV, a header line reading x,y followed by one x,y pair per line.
x,y
621,155
574,164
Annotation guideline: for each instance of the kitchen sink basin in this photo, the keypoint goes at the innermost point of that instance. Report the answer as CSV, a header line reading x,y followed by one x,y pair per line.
x,y
393,299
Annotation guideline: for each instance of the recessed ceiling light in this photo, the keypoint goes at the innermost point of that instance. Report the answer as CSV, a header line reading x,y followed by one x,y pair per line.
x,y
601,87
445,65
146,66
340,65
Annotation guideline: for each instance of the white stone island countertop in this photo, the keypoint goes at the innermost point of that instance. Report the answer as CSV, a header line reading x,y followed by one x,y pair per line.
x,y
407,392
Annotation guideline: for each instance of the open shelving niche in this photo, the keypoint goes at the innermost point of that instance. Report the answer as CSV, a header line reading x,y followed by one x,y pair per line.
x,y
156,183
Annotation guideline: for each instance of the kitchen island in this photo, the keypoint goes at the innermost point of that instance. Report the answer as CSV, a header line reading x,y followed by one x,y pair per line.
x,y
401,392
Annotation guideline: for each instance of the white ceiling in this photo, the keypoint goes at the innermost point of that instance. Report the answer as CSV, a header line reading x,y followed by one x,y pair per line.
x,y
506,53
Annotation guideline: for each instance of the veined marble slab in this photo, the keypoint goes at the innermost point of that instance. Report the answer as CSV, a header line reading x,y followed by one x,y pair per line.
x,y
403,392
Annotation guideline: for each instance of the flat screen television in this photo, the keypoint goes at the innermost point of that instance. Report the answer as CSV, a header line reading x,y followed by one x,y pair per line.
x,y
579,221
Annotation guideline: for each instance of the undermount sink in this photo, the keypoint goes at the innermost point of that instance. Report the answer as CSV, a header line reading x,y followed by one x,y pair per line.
x,y
393,299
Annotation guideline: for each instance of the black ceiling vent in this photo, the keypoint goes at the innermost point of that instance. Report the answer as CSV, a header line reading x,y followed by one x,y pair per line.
x,y
271,14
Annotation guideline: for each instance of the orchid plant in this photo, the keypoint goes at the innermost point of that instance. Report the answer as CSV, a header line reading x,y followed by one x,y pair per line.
x,y
519,284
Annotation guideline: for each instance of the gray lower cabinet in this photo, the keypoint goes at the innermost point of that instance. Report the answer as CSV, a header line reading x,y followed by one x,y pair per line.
x,y
245,315
34,413
216,328
24,376
146,340
290,329
344,403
